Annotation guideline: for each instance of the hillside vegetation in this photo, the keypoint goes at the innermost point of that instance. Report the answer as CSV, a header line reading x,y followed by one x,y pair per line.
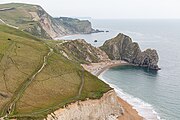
x,y
36,80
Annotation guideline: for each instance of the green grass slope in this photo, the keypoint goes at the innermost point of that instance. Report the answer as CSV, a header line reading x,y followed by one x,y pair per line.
x,y
58,83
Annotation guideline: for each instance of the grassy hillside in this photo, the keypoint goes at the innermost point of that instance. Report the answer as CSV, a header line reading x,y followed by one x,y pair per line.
x,y
26,93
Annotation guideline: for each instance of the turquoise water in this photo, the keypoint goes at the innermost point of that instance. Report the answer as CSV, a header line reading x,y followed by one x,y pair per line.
x,y
148,91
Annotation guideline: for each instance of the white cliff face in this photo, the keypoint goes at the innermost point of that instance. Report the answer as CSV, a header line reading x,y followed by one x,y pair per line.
x,y
105,108
45,21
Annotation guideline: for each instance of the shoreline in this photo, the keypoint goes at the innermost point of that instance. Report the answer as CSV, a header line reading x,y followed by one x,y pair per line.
x,y
98,69
59,37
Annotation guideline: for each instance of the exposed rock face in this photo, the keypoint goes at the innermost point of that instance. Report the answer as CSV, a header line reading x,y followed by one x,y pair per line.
x,y
122,48
81,51
105,108
149,58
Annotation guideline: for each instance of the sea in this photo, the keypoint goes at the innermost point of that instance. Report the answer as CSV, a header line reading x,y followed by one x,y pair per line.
x,y
154,94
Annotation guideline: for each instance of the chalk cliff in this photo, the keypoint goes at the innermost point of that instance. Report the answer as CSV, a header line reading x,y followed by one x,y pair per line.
x,y
105,108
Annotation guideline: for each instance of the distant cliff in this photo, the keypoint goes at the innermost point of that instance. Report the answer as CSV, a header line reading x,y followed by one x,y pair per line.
x,y
35,20
74,25
122,48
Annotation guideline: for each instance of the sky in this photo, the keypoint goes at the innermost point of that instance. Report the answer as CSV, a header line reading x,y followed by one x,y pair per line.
x,y
109,9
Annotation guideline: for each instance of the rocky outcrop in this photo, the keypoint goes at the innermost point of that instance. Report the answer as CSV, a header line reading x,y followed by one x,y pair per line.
x,y
105,108
148,58
81,51
122,48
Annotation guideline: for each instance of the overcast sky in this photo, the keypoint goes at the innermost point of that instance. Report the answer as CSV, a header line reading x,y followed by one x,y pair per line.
x,y
111,9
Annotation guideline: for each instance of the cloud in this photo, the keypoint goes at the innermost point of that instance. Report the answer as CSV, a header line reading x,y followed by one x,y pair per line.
x,y
109,8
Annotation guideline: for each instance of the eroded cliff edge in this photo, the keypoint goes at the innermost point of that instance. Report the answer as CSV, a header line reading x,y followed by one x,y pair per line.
x,y
122,47
105,108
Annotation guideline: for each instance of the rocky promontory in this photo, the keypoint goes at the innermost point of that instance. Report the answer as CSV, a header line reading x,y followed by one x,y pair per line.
x,y
74,25
123,48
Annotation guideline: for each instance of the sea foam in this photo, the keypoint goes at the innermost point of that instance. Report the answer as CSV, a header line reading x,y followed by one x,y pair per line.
x,y
144,109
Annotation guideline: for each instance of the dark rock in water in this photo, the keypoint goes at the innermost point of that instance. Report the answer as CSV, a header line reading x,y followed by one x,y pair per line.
x,y
122,48
95,40
97,31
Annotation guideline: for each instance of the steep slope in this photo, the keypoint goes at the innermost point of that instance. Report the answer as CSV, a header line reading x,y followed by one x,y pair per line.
x,y
16,64
35,20
80,51
36,80
122,48
105,108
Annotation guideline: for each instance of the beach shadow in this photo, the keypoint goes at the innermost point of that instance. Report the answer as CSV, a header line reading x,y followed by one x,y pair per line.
x,y
146,71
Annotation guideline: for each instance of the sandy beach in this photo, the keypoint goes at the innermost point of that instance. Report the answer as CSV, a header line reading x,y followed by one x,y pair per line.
x,y
96,69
